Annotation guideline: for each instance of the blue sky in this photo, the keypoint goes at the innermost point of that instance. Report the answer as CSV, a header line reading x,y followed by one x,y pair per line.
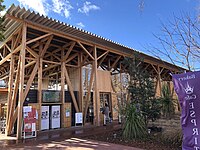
x,y
120,21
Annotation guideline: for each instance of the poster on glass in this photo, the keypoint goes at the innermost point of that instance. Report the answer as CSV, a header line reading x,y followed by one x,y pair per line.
x,y
55,116
45,118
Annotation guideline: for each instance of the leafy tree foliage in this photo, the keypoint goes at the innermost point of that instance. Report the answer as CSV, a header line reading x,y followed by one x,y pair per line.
x,y
142,90
2,8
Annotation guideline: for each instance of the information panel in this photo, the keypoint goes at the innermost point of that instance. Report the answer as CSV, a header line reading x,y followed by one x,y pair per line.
x,y
45,118
79,118
55,116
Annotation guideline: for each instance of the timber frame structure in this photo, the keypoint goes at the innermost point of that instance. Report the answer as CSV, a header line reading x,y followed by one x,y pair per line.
x,y
37,47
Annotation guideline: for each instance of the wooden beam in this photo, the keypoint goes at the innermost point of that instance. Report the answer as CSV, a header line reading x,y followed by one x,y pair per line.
x,y
9,55
29,83
102,59
32,52
17,40
71,57
71,89
51,62
86,57
8,47
21,82
85,50
46,46
115,62
38,38
102,55
69,51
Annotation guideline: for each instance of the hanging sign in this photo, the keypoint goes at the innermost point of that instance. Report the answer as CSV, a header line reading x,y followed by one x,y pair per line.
x,y
29,121
187,87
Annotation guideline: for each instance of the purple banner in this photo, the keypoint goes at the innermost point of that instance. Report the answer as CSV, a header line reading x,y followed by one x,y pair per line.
x,y
187,87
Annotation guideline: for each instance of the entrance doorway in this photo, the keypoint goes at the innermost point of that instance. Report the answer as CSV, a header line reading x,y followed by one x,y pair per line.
x,y
50,117
105,98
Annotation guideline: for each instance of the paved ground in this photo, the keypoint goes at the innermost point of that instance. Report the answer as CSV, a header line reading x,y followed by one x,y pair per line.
x,y
72,144
65,139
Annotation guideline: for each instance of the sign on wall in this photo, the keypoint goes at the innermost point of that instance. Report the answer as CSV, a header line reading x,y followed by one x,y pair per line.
x,y
49,96
187,87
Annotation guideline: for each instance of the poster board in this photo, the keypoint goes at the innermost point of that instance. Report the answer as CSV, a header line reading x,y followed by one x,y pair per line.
x,y
44,117
29,116
55,116
78,118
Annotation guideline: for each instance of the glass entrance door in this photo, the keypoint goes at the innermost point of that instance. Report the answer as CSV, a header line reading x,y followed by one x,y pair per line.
x,y
105,98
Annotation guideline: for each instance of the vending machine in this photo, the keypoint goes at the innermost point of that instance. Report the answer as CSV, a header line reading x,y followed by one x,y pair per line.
x,y
55,116
45,118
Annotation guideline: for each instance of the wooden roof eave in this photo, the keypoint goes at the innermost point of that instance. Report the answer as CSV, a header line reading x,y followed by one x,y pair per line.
x,y
79,35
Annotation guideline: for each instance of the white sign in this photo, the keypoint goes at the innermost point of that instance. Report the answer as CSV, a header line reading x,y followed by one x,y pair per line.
x,y
44,117
33,127
79,118
27,109
55,116
67,113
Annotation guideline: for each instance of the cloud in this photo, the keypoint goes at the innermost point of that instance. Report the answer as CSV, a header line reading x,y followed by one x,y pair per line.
x,y
87,7
80,25
2,13
62,7
37,5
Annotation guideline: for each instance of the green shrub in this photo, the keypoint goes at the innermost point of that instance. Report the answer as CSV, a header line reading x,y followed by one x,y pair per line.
x,y
134,126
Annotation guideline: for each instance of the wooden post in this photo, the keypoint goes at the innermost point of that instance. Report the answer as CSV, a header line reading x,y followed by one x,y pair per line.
x,y
40,90
10,86
21,82
80,82
97,100
88,94
11,119
159,80
62,88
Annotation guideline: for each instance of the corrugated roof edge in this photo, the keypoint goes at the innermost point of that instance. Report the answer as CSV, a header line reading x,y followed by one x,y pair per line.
x,y
89,33
71,26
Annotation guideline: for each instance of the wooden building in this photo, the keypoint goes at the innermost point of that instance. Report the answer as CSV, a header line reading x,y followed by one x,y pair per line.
x,y
42,62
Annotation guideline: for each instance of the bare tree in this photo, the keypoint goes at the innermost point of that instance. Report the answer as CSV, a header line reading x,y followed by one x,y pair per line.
x,y
179,42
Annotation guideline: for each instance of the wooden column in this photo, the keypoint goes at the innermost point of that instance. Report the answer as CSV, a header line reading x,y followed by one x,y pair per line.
x,y
62,88
80,83
159,81
121,85
40,91
96,100
21,82
89,93
10,87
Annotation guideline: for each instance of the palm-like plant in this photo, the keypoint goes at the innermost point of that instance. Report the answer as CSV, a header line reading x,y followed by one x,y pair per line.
x,y
168,103
134,126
